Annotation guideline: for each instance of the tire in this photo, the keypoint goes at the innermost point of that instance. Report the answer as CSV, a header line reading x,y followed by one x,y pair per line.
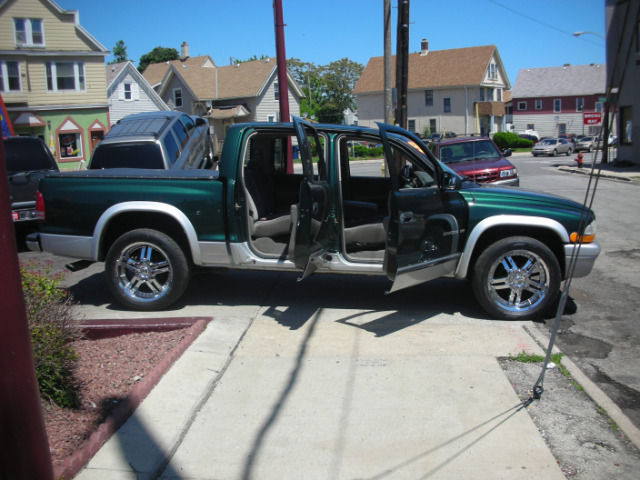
x,y
591,149
554,153
569,152
516,278
146,270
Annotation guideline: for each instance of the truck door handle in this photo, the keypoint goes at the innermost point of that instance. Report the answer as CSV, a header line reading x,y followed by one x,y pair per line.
x,y
407,217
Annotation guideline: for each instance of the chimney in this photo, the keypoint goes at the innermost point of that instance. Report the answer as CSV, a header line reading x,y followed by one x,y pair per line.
x,y
424,47
184,51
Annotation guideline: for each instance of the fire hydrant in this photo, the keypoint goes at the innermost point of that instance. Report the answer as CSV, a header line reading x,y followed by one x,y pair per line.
x,y
579,159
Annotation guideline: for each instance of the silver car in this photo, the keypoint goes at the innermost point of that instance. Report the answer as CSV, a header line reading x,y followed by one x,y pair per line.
x,y
552,147
586,144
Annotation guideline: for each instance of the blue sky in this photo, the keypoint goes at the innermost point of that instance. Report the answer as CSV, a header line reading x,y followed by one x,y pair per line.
x,y
528,33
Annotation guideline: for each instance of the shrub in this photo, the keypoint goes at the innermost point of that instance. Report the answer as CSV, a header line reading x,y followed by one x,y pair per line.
x,y
510,140
362,151
52,328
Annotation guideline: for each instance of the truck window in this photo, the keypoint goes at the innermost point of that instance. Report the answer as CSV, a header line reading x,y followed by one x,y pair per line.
x,y
130,155
171,147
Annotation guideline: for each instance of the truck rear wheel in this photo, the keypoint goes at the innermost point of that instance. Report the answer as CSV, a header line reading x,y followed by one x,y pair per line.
x,y
146,270
516,278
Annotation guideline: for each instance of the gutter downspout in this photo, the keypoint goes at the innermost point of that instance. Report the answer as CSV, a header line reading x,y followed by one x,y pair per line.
x,y
466,110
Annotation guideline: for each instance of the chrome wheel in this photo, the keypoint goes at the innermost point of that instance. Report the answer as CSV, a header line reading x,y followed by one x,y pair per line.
x,y
519,281
516,278
144,272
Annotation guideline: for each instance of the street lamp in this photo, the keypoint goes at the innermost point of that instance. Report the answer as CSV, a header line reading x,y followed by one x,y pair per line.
x,y
577,34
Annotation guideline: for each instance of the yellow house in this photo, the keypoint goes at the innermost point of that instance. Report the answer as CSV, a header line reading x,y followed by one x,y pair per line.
x,y
52,78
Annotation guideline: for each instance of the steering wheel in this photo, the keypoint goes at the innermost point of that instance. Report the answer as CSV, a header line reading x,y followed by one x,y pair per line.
x,y
409,180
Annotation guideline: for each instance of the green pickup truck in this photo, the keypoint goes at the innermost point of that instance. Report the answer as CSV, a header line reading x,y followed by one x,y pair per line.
x,y
151,228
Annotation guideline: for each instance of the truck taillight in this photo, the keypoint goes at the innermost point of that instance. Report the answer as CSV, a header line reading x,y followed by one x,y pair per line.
x,y
39,206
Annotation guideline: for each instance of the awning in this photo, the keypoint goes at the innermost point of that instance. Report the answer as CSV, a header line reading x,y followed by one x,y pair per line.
x,y
28,119
233,111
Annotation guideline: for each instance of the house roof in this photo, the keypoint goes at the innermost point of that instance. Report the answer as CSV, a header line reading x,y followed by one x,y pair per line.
x,y
568,80
439,68
155,72
208,82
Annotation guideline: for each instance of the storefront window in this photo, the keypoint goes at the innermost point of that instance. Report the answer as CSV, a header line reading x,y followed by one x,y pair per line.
x,y
70,145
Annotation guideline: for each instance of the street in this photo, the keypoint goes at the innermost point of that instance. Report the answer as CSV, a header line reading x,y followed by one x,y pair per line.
x,y
599,331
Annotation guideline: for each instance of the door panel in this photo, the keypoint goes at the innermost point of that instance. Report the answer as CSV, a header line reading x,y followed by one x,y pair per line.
x,y
311,235
426,220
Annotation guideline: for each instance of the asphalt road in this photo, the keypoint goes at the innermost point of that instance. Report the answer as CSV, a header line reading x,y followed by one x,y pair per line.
x,y
601,332
598,331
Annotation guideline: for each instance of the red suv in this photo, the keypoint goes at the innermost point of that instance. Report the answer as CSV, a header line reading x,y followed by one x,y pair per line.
x,y
478,159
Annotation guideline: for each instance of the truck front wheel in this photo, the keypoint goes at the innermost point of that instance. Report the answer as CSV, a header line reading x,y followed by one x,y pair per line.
x,y
146,270
516,278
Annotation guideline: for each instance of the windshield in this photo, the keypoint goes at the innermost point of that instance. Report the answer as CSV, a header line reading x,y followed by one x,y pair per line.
x,y
127,155
548,142
466,151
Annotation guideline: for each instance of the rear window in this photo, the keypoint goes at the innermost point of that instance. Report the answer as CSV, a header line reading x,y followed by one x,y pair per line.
x,y
26,156
127,155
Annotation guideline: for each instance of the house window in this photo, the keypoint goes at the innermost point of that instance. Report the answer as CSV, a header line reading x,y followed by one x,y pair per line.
x,y
432,125
447,105
499,94
428,98
531,126
482,94
537,104
271,118
490,94
626,125
127,91
579,104
276,91
562,129
557,105
9,76
65,76
412,126
177,97
28,32
522,106
492,72
598,106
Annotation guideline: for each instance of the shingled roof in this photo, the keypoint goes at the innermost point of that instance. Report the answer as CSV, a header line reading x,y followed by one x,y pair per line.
x,y
560,81
208,82
439,68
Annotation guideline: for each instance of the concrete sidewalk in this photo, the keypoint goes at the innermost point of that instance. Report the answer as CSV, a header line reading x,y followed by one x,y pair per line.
x,y
339,394
614,170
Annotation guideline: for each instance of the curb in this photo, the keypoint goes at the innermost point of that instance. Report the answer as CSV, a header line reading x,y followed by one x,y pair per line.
x,y
71,465
587,171
591,389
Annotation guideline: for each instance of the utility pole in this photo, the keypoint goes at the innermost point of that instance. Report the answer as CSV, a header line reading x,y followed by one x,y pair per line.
x,y
283,82
402,62
388,107
24,452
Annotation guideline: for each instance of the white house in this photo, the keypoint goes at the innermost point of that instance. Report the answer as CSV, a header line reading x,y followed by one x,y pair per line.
x,y
128,92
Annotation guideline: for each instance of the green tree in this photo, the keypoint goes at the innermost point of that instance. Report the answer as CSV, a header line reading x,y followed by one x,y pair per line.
x,y
253,58
119,52
327,89
157,55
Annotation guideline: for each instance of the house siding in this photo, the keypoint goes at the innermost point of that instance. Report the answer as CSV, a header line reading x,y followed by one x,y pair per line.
x,y
120,108
87,110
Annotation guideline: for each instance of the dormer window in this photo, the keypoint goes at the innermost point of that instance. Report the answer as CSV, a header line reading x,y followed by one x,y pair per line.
x,y
28,32
492,71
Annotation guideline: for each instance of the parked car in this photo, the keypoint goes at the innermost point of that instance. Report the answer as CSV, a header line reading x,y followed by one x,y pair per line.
x,y
552,147
585,144
27,159
478,159
156,140
597,142
434,137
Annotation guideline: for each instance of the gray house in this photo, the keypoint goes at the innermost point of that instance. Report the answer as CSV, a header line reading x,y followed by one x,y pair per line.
x,y
554,100
128,92
623,70
242,92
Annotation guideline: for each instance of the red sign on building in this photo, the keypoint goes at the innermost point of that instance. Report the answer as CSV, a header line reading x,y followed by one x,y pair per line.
x,y
591,118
